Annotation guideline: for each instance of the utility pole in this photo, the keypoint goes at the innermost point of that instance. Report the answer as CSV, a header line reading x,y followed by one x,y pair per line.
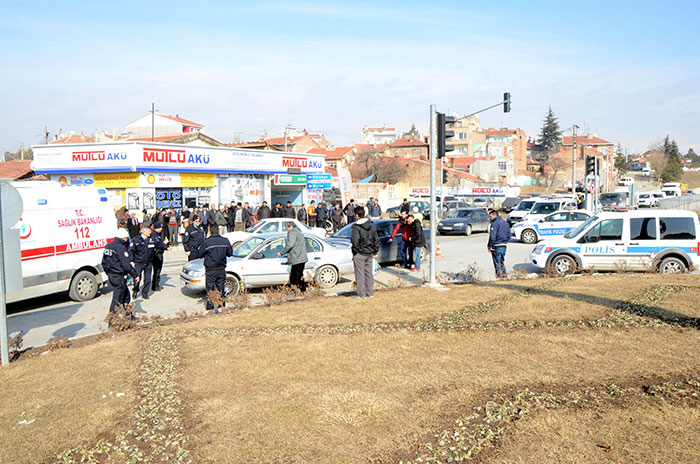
x,y
46,135
153,120
433,204
573,163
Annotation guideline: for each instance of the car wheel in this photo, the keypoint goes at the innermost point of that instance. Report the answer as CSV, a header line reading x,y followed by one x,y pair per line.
x,y
83,287
528,236
563,265
468,230
327,276
672,266
232,287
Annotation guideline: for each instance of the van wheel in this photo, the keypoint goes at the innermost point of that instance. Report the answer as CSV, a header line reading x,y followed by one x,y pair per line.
x,y
232,286
563,265
327,276
672,266
528,236
83,287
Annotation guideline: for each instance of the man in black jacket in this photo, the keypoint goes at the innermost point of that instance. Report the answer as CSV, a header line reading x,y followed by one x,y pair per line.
x,y
214,250
417,241
264,211
193,237
211,218
405,206
141,249
160,246
350,211
365,245
277,211
116,261
289,211
337,217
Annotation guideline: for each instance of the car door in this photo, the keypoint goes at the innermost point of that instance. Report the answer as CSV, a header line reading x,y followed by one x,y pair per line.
x,y
602,246
483,218
314,252
553,225
643,241
388,252
264,267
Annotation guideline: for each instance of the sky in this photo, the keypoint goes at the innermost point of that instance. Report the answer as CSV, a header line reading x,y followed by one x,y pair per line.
x,y
628,71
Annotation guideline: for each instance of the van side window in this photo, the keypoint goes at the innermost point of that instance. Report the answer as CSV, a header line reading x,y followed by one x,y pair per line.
x,y
643,229
677,228
609,229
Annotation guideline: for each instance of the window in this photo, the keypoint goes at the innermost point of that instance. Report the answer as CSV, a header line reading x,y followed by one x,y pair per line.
x,y
609,229
545,208
271,249
558,217
384,230
578,217
462,136
643,229
272,226
677,228
312,246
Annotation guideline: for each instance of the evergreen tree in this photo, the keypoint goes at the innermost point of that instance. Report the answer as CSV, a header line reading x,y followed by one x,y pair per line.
x,y
674,167
550,136
412,131
693,157
621,163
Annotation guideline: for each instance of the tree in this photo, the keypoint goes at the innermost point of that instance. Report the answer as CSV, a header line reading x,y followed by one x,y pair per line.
x,y
693,157
621,163
550,135
412,131
383,168
674,166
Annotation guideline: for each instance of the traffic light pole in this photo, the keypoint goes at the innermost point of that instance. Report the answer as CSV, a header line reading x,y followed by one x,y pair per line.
x,y
433,204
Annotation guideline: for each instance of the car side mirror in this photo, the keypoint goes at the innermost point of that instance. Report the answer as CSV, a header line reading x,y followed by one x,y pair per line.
x,y
258,256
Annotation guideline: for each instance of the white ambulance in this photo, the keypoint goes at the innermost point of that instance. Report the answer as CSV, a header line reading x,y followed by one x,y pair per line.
x,y
63,232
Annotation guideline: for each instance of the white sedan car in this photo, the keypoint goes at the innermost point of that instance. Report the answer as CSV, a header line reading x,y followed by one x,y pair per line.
x,y
555,224
269,226
255,264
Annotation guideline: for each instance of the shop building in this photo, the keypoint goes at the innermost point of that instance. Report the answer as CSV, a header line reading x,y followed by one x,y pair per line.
x,y
148,175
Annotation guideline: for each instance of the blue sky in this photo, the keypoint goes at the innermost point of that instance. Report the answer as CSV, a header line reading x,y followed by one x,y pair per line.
x,y
628,71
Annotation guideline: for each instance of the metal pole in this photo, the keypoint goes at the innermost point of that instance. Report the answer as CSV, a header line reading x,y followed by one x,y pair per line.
x,y
573,164
153,120
4,346
433,204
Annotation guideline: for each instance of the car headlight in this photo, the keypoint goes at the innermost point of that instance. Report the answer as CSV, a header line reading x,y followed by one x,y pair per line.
x,y
538,249
194,273
458,224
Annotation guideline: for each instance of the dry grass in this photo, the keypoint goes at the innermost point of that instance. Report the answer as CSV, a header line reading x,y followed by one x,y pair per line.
x,y
683,305
60,394
346,398
649,432
692,178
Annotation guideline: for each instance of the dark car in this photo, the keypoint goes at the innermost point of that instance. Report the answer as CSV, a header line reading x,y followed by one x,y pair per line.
x,y
509,204
613,200
464,221
445,207
394,211
389,252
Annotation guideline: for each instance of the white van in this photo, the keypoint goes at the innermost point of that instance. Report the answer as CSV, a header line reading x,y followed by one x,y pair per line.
x,y
627,181
672,189
63,232
667,240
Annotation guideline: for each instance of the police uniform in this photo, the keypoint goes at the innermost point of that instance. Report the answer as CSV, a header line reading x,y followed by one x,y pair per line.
x,y
116,261
214,250
159,247
142,248
192,239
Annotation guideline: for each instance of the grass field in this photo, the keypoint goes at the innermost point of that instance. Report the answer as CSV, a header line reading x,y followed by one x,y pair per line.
x,y
692,178
601,368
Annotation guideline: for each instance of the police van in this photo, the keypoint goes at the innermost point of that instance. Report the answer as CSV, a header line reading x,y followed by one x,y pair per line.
x,y
663,240
63,232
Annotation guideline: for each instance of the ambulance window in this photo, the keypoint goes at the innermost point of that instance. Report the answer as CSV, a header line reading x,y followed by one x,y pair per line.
x,y
643,229
677,228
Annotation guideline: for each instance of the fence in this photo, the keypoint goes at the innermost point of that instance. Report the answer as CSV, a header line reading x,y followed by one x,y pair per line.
x,y
687,202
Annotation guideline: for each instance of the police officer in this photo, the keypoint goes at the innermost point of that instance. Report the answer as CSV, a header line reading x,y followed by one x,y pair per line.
x,y
159,246
116,261
193,237
214,250
142,248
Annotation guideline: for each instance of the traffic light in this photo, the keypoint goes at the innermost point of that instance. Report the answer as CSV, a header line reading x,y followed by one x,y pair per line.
x,y
444,135
506,102
590,165
444,176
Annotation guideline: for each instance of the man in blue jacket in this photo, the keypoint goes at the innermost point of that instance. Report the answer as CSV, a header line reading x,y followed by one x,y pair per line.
x,y
214,250
499,236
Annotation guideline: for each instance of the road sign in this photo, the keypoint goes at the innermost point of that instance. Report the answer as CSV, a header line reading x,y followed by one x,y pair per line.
x,y
591,188
323,177
290,179
318,185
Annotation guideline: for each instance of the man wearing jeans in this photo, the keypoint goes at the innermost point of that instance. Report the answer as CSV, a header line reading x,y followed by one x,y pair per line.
x,y
499,235
365,245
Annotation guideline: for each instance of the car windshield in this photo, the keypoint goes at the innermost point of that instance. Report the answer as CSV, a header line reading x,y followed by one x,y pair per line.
x,y
545,208
345,232
525,205
581,228
610,196
253,229
246,247
459,213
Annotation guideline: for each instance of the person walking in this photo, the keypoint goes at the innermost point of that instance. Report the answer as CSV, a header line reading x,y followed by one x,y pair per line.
x,y
264,211
296,255
365,245
289,211
405,207
499,236
417,241
214,250
173,226
116,262
193,237
337,217
141,249
350,211
403,226
159,247
311,213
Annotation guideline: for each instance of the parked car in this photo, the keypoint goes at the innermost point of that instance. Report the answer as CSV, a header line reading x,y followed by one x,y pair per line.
x,y
445,207
613,200
464,221
271,225
509,204
627,181
521,210
389,252
482,203
394,211
665,240
255,263
555,224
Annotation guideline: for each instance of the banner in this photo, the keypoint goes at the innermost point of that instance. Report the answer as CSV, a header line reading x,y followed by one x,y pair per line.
x,y
117,179
73,179
196,179
345,181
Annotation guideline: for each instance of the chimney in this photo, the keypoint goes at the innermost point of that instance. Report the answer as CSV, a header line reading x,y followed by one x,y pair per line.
x,y
114,134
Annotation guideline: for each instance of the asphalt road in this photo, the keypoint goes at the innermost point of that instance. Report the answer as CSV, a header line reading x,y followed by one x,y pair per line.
x,y
41,319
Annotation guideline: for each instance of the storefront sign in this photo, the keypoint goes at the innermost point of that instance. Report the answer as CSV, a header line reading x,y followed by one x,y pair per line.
x,y
323,177
290,179
196,179
73,179
117,179
418,191
169,198
160,179
318,185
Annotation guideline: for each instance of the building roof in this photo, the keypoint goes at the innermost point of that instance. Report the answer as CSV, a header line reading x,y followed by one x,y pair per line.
x,y
181,120
74,138
461,162
16,169
500,132
179,138
368,147
584,140
408,141
255,145
380,128
332,152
